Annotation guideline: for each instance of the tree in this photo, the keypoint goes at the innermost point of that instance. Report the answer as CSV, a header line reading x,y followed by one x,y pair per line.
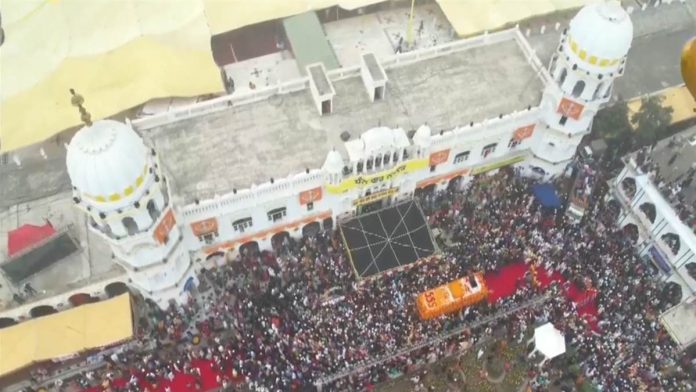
x,y
652,120
612,124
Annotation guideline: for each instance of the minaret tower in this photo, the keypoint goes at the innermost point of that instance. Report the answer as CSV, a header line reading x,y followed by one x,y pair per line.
x,y
591,55
118,182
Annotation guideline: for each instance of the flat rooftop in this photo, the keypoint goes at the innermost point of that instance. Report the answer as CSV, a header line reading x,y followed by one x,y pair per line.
x,y
234,148
90,264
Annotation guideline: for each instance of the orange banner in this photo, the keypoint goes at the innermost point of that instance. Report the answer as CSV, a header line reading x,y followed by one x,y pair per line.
x,y
310,196
523,132
161,233
439,157
204,227
569,108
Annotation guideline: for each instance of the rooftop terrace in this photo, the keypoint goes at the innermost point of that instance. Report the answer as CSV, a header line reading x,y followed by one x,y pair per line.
x,y
235,144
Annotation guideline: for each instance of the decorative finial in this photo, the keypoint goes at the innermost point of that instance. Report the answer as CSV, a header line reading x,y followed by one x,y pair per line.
x,y
77,100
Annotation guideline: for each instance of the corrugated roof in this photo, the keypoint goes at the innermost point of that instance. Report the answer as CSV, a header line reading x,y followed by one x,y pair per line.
x,y
309,42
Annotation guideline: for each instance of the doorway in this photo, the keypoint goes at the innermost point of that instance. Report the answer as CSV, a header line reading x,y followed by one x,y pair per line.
x,y
371,207
326,107
379,93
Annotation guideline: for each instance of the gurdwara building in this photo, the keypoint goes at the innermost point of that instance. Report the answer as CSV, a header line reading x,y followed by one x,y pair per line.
x,y
174,192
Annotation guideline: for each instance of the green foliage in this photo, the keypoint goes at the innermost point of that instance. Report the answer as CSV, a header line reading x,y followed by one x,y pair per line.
x,y
652,120
612,123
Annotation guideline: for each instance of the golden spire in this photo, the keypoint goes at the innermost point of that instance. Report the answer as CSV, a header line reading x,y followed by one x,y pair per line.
x,y
77,100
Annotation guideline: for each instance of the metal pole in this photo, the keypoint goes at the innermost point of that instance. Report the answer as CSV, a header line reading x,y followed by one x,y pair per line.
x,y
409,29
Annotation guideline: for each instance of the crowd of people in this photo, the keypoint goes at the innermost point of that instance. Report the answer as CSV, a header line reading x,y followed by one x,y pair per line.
x,y
284,320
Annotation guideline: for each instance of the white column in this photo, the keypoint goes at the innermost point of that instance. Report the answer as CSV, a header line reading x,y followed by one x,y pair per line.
x,y
117,227
159,200
143,220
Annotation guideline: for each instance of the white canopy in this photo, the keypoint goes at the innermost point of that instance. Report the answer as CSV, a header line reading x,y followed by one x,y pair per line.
x,y
549,341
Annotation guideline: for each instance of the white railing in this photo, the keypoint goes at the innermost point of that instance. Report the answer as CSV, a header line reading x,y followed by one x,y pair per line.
x,y
532,58
293,184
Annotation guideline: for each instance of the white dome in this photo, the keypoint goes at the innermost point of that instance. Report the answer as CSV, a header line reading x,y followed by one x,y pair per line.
x,y
422,136
106,159
603,30
383,139
334,162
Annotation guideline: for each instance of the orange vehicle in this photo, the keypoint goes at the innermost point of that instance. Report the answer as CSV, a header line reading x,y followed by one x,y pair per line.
x,y
452,296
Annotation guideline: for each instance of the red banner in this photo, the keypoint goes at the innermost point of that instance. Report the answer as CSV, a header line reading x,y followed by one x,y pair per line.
x,y
569,108
523,132
161,233
310,196
439,157
204,227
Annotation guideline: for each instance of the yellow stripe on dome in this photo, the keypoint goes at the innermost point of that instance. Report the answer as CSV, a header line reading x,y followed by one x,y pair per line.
x,y
126,192
588,57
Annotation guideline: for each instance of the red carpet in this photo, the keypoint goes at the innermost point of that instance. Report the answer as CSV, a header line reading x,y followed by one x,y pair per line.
x,y
182,382
504,283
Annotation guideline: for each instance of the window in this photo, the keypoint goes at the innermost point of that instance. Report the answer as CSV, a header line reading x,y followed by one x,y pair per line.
x,y
378,161
208,238
386,159
359,167
130,225
405,155
396,157
513,143
488,150
277,214
461,157
562,79
368,164
563,120
432,168
310,206
578,88
242,224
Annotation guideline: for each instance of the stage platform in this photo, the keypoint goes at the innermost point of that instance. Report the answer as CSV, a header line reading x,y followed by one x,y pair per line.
x,y
389,238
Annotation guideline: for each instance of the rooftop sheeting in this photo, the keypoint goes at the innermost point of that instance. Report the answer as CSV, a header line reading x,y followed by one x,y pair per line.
x,y
473,16
678,98
65,333
117,54
308,41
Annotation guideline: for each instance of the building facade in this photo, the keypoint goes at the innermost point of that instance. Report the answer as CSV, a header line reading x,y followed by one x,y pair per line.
x,y
659,236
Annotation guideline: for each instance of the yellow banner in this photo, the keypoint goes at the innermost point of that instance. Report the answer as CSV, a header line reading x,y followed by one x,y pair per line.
x,y
375,196
497,165
386,175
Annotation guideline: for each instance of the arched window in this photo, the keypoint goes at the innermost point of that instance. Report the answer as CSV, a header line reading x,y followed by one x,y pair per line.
x,y
598,91
631,232
578,89
153,210
563,76
648,209
130,225
672,241
628,186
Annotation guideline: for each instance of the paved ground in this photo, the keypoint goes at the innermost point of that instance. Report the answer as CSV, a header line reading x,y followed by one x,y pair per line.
x,y
92,261
381,32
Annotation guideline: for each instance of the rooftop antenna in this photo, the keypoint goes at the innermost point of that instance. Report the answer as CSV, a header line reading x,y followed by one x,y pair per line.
x,y
77,100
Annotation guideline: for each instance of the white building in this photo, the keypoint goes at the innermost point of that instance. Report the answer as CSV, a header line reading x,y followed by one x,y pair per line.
x,y
659,234
244,170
